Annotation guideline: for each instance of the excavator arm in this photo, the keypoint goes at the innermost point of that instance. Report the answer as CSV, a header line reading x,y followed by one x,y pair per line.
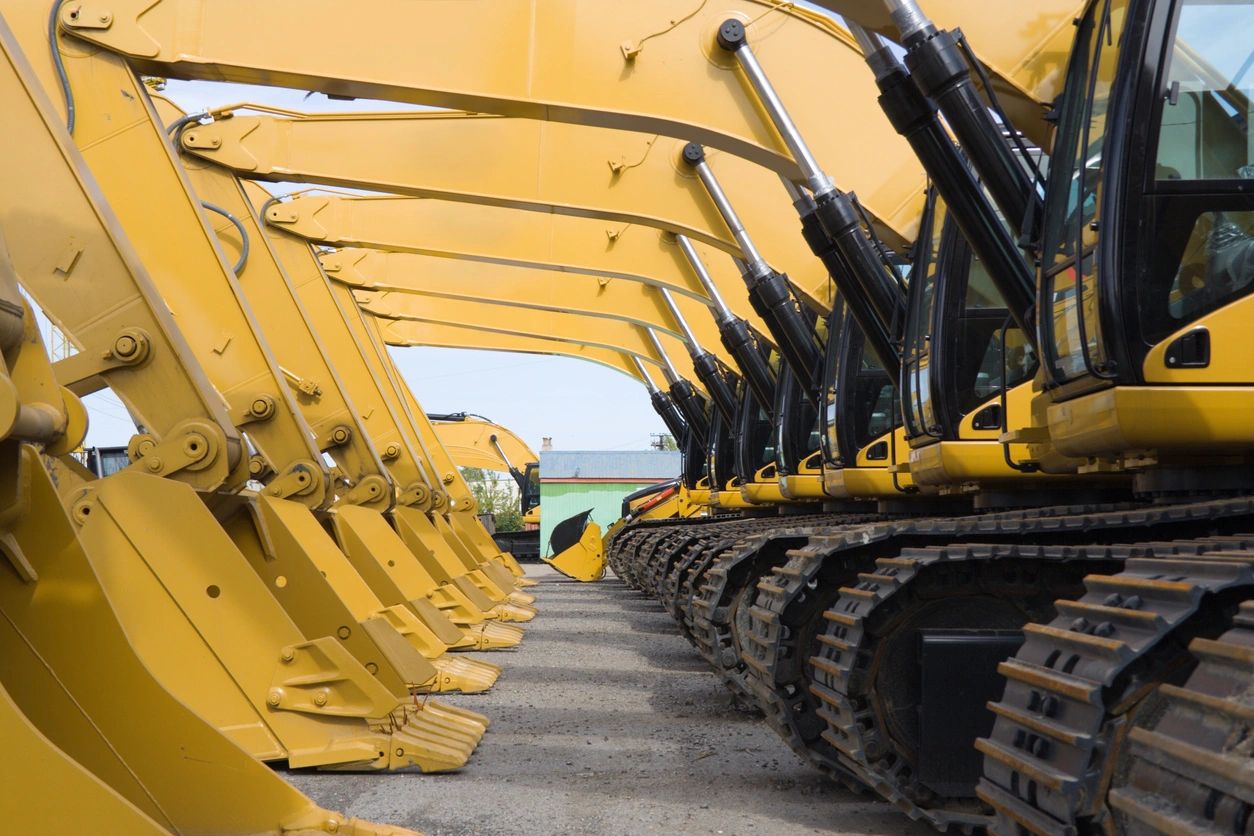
x,y
474,441
656,60
600,332
423,284
455,229
303,359
411,334
132,160
66,243
546,167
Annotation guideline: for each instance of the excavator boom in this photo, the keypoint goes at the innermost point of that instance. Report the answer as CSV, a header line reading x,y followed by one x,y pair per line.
x,y
455,229
419,284
656,60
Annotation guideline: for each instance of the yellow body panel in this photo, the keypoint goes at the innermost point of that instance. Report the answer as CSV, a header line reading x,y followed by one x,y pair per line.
x,y
762,493
650,66
730,500
807,486
1229,329
1179,419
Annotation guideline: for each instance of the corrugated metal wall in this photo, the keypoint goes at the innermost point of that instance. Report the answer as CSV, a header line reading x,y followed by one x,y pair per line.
x,y
559,500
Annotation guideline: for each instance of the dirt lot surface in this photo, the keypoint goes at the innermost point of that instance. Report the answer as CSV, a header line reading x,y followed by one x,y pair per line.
x,y
605,720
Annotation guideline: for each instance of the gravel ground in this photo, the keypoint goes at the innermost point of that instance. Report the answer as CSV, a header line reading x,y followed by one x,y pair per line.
x,y
607,721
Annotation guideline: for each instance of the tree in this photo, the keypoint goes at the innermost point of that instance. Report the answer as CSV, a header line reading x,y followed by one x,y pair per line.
x,y
495,494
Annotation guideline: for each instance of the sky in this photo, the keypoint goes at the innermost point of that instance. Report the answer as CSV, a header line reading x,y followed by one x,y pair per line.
x,y
578,404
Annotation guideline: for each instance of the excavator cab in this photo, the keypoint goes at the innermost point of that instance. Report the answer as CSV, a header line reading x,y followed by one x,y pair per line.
x,y
964,359
858,416
530,487
798,463
1147,261
753,464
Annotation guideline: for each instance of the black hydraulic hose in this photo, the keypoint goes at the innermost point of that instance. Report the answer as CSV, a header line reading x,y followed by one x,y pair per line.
x,y
59,63
243,233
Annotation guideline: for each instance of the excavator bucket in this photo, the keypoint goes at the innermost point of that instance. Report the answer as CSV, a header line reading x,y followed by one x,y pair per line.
x,y
324,595
217,639
87,722
577,548
392,571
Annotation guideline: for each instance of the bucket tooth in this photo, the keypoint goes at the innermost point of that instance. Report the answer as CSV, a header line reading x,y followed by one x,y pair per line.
x,y
472,721
469,676
520,598
321,822
512,612
490,635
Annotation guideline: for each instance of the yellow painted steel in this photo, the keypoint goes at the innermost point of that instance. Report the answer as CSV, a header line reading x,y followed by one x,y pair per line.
x,y
471,443
278,542
282,543
225,661
496,574
404,456
605,333
585,560
171,772
35,766
651,66
548,167
69,707
130,157
498,235
420,285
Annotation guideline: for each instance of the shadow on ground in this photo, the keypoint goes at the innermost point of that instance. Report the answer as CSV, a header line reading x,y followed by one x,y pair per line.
x,y
607,721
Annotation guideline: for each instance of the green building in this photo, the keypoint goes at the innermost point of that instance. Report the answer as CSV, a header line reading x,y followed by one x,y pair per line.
x,y
572,481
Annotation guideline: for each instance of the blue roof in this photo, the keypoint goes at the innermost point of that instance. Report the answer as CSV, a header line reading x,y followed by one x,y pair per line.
x,y
632,465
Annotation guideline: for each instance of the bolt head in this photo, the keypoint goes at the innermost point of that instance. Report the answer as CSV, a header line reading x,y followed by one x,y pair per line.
x,y
125,346
731,35
274,697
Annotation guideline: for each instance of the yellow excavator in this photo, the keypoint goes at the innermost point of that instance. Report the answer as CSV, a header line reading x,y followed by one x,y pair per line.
x,y
1108,710
475,441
